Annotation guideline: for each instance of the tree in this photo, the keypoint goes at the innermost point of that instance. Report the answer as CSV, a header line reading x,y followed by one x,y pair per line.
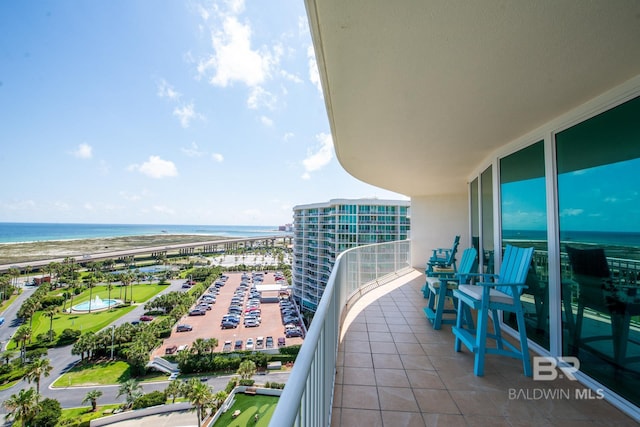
x,y
91,282
92,397
50,312
219,398
22,335
23,406
37,369
49,412
200,395
247,369
174,390
131,390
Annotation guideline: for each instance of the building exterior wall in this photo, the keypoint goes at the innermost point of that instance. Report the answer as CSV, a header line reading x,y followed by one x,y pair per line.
x,y
323,230
441,218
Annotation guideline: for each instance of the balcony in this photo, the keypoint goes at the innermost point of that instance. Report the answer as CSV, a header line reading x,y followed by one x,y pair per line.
x,y
379,363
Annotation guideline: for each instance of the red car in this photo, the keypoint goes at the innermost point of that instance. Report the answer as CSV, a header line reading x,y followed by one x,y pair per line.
x,y
146,318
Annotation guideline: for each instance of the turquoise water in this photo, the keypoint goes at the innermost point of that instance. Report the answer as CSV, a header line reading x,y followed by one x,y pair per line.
x,y
84,306
14,232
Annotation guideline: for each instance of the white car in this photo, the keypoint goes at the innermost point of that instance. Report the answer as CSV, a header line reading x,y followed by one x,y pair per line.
x,y
249,345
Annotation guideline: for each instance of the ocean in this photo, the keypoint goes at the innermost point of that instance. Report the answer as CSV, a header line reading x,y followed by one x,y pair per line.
x,y
18,232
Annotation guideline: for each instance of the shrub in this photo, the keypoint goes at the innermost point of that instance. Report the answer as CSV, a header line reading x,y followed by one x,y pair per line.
x,y
247,382
231,385
49,413
68,336
154,398
51,300
292,350
278,386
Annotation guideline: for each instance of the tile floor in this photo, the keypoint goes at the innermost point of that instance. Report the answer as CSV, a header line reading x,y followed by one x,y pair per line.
x,y
395,370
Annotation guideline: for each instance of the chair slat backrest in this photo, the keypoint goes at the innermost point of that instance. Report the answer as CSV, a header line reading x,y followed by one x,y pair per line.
x,y
514,268
468,263
454,250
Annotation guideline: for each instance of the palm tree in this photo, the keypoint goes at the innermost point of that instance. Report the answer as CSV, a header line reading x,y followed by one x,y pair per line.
x,y
7,355
91,282
22,335
23,406
219,398
92,397
131,390
174,390
37,369
200,395
247,369
50,312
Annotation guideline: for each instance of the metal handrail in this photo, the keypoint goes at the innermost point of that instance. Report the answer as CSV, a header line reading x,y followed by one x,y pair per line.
x,y
308,396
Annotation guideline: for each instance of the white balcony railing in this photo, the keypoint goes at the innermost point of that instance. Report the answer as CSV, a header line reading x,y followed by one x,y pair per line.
x,y
308,396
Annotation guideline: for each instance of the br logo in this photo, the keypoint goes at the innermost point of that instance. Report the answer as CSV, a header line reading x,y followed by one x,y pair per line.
x,y
549,368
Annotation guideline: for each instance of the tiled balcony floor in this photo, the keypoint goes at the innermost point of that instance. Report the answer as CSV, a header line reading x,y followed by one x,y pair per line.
x,y
395,370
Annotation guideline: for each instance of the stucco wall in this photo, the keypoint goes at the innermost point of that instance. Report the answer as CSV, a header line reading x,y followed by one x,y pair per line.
x,y
435,220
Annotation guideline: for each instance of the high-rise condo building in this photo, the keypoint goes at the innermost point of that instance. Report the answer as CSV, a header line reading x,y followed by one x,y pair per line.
x,y
323,230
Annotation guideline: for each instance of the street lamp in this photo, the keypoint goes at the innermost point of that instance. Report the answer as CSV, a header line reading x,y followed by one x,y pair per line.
x,y
113,330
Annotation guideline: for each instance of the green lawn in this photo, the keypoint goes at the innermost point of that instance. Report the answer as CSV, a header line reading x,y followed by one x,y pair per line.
x,y
97,320
102,373
84,414
248,406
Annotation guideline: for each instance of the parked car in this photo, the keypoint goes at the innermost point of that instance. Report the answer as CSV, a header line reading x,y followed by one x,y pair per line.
x,y
269,342
251,323
281,342
249,345
184,328
197,312
260,343
171,349
227,324
291,333
146,318
238,345
227,346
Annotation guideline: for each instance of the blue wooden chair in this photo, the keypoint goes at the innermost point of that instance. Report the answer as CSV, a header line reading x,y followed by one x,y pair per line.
x,y
441,284
495,292
443,258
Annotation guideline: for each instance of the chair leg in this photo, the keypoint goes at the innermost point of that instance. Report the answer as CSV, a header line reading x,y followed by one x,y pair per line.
x,y
442,296
524,345
481,340
497,331
459,322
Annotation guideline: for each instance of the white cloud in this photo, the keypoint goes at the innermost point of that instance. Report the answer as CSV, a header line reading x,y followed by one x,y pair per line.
x,y
571,212
165,90
217,157
287,136
266,121
291,77
84,151
156,168
130,196
234,59
306,176
261,98
185,114
193,150
319,158
314,75
164,210
89,206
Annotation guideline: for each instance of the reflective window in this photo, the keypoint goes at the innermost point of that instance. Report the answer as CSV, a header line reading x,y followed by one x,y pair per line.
x,y
524,223
599,212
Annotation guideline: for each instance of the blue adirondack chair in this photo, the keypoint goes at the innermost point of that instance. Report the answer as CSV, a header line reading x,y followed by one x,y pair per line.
x,y
443,258
493,293
441,284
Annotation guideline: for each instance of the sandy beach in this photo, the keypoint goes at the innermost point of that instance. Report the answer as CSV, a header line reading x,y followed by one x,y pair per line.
x,y
34,251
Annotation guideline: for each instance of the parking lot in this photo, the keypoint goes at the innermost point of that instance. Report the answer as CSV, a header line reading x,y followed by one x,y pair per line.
x,y
208,325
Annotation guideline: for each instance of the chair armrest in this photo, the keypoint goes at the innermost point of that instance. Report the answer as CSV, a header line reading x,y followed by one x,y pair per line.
x,y
494,284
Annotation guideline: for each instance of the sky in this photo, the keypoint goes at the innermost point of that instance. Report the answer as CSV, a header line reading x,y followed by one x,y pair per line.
x,y
163,112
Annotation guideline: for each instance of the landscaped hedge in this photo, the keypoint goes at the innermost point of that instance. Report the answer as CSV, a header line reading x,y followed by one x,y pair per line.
x,y
154,398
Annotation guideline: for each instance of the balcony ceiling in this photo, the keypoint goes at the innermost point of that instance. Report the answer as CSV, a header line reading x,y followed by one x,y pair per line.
x,y
419,93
